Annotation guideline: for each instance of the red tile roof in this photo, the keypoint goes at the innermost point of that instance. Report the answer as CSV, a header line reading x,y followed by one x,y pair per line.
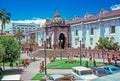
x,y
6,34
110,14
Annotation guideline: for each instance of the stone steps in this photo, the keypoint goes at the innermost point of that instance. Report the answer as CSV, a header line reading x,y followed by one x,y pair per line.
x,y
50,53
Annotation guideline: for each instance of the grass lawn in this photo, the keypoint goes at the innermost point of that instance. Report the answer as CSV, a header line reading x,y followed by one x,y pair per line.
x,y
39,76
69,63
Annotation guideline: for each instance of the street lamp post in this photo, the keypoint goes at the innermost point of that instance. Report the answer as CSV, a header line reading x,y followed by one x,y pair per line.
x,y
30,49
80,54
103,54
61,41
45,57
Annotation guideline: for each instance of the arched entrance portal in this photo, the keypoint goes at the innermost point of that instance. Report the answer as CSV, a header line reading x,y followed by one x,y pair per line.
x,y
62,41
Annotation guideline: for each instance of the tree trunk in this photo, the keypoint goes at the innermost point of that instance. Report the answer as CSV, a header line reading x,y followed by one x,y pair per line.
x,y
1,31
3,65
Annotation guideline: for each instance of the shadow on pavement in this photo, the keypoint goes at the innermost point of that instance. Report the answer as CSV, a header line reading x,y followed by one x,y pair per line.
x,y
13,71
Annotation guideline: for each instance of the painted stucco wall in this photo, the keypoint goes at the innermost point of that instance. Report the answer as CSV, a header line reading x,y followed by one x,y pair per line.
x,y
100,30
40,37
117,34
73,36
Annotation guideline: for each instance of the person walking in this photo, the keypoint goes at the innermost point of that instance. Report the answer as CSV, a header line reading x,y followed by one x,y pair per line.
x,y
90,57
43,66
17,64
86,64
109,60
115,60
25,63
11,64
54,57
113,56
40,68
34,59
94,62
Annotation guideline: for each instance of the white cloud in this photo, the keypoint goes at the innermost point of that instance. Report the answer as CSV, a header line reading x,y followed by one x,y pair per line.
x,y
115,7
34,20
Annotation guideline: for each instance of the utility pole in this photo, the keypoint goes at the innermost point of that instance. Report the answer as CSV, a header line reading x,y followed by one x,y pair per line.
x,y
45,57
80,54
61,41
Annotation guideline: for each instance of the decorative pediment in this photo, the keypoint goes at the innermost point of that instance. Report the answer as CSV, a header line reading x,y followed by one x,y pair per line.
x,y
76,18
88,15
103,11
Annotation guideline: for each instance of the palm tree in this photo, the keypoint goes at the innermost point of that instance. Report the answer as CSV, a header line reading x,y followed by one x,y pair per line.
x,y
32,44
19,35
5,18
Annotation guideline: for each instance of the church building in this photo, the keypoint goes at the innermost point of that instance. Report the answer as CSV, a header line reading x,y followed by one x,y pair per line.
x,y
84,31
57,32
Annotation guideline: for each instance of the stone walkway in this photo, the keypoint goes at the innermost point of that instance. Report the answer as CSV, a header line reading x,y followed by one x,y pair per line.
x,y
28,73
32,69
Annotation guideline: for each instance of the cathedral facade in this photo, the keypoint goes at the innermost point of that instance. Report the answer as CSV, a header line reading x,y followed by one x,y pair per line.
x,y
57,32
60,33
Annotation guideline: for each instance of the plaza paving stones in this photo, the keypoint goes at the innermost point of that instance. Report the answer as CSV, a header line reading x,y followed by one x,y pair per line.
x,y
28,73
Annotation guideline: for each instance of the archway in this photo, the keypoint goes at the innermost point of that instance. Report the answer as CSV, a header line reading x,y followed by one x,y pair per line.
x,y
62,41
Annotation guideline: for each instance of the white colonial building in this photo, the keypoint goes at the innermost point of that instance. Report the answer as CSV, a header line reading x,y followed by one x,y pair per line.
x,y
87,29
91,27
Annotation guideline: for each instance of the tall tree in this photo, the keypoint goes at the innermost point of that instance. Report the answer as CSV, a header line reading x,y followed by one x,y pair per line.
x,y
5,18
11,49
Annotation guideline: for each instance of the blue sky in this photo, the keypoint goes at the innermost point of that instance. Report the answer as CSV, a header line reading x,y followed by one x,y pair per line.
x,y
30,9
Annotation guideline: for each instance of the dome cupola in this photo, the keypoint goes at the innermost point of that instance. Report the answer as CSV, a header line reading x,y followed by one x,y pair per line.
x,y
57,18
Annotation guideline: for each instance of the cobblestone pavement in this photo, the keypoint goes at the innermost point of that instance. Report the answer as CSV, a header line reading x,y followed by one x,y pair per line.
x,y
28,73
32,69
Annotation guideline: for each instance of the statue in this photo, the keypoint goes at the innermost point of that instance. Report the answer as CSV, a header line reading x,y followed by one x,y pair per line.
x,y
57,14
